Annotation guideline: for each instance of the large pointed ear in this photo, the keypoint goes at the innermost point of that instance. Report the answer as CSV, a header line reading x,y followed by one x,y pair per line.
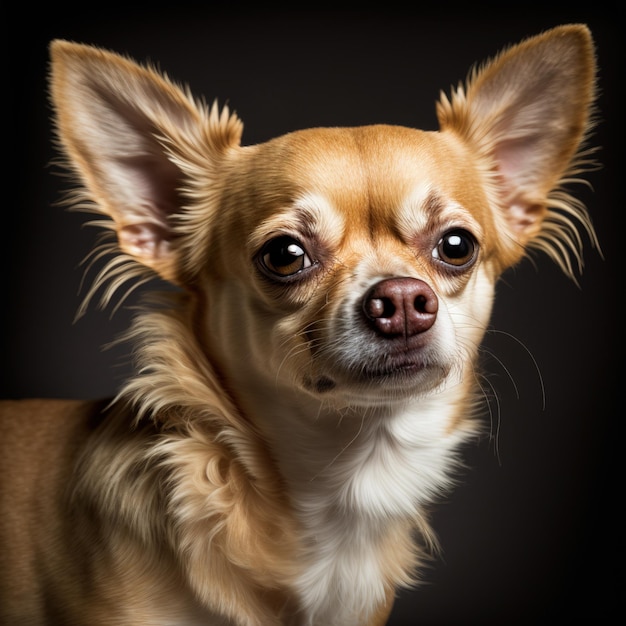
x,y
526,114
134,138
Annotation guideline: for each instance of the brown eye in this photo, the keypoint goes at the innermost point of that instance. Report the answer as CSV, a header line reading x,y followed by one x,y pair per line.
x,y
284,257
457,247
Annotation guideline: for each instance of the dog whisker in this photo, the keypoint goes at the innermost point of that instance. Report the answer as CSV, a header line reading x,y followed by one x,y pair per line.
x,y
529,354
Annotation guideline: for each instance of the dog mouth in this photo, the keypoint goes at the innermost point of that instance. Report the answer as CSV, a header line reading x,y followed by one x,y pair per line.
x,y
406,374
395,369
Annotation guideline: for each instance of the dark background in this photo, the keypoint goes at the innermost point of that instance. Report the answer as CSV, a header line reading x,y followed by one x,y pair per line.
x,y
531,531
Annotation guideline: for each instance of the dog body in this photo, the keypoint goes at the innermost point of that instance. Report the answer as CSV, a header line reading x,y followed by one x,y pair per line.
x,y
300,400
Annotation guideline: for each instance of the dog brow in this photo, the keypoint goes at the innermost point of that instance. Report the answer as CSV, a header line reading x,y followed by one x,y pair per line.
x,y
311,215
426,209
423,206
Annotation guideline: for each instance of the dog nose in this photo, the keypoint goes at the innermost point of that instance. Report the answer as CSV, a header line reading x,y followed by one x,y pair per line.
x,y
401,307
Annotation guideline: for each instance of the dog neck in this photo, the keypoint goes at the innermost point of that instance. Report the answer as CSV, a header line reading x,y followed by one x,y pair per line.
x,y
355,457
356,477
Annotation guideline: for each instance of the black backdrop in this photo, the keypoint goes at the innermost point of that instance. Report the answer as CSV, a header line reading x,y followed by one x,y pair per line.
x,y
531,528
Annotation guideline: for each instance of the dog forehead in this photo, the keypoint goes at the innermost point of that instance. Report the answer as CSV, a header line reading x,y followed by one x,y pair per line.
x,y
350,159
368,169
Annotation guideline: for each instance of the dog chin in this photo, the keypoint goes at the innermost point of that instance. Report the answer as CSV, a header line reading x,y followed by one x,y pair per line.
x,y
380,383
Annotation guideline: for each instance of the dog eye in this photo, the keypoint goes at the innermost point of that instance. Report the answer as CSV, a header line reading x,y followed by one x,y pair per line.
x,y
284,257
457,247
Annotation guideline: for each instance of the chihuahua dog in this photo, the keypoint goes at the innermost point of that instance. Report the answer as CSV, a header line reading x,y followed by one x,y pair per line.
x,y
300,398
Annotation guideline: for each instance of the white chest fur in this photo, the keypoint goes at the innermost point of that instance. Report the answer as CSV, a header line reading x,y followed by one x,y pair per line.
x,y
358,484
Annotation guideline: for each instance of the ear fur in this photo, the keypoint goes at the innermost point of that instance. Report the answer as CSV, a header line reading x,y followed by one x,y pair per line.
x,y
527,113
135,140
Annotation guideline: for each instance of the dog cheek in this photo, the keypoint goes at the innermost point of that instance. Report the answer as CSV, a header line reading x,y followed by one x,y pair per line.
x,y
254,344
228,325
471,312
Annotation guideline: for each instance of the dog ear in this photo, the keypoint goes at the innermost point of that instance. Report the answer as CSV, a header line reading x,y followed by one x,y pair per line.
x,y
526,114
137,142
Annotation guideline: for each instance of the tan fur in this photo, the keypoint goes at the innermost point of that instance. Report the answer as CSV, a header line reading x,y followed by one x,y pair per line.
x,y
257,460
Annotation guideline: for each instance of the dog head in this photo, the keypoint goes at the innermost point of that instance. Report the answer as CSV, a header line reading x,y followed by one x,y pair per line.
x,y
352,265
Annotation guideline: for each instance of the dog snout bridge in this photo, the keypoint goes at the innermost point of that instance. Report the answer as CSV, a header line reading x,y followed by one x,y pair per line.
x,y
400,307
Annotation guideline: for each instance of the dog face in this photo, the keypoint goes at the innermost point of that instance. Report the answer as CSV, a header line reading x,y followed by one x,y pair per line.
x,y
361,266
